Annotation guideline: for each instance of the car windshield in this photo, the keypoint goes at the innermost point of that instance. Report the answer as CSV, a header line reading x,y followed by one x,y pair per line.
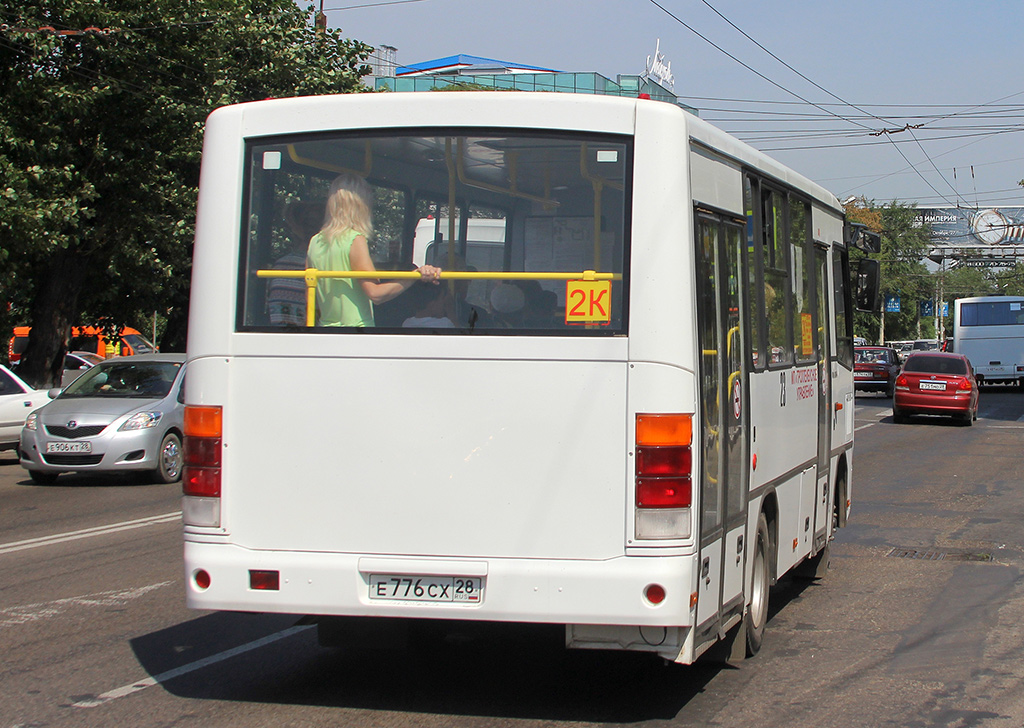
x,y
128,379
935,365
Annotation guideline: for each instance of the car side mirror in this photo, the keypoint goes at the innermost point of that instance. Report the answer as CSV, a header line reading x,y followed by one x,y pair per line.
x,y
867,288
52,393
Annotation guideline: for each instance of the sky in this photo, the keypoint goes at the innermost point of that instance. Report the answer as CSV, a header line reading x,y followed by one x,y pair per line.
x,y
920,102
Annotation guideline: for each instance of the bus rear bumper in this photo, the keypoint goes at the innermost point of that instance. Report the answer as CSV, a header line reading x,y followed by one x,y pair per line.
x,y
572,592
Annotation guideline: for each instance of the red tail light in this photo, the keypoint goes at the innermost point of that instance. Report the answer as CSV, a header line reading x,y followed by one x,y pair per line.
x,y
201,474
663,461
902,381
663,492
964,384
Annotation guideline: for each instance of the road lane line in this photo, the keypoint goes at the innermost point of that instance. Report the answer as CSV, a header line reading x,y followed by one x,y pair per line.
x,y
13,616
32,543
185,669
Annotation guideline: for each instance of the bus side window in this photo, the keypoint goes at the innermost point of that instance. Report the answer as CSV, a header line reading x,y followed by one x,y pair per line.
x,y
754,297
803,296
776,278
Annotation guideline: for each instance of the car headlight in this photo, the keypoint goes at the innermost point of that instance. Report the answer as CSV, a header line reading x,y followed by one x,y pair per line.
x,y
141,420
30,421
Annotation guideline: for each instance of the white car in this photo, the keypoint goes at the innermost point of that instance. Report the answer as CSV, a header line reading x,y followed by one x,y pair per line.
x,y
17,401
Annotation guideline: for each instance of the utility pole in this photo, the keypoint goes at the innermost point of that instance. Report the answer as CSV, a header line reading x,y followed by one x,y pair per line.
x,y
321,19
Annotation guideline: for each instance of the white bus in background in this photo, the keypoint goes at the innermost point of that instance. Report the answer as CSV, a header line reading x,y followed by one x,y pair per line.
x,y
989,331
659,431
480,245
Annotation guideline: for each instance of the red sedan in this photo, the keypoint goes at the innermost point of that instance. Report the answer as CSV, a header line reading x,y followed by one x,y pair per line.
x,y
875,369
936,383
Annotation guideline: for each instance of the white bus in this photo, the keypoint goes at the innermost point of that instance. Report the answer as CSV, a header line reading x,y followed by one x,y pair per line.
x,y
989,331
645,423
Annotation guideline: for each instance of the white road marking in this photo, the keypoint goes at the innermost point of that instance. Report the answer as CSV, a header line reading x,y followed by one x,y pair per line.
x,y
32,543
12,616
185,669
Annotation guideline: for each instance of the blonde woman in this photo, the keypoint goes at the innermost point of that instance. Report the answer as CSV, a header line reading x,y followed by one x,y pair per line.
x,y
342,244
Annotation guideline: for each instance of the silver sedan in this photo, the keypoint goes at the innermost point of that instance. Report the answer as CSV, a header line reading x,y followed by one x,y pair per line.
x,y
124,414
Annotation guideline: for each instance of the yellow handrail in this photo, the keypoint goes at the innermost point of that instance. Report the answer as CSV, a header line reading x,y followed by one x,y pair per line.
x,y
311,275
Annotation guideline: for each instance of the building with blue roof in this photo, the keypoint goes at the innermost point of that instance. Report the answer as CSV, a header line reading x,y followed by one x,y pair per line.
x,y
475,72
465,65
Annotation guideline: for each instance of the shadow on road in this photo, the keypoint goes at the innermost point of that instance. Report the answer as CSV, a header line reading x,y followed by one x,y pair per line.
x,y
494,670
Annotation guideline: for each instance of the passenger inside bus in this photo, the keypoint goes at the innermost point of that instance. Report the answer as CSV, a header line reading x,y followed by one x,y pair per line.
x,y
342,245
432,306
286,297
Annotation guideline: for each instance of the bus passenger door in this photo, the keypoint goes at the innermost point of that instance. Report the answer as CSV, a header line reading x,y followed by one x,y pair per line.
x,y
722,418
824,357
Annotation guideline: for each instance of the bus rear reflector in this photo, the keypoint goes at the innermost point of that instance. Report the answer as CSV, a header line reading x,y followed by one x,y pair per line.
x,y
265,580
202,579
654,593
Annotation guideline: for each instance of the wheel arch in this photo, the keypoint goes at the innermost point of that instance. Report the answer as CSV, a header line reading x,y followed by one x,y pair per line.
x,y
841,489
770,509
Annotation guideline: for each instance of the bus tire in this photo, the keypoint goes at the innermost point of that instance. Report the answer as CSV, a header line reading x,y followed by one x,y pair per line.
x,y
756,616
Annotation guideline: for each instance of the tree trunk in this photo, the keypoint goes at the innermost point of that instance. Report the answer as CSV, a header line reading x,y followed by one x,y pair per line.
x,y
51,316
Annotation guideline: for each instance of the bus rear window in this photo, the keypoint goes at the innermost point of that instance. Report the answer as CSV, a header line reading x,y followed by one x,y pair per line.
x,y
529,230
992,313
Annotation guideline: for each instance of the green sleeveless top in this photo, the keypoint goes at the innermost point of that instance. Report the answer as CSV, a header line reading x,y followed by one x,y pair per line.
x,y
339,301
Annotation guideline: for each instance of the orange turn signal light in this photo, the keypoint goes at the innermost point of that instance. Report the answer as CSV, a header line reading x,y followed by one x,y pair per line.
x,y
203,421
664,429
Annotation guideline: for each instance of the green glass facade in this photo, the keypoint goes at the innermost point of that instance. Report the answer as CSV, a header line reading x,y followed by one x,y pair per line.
x,y
574,83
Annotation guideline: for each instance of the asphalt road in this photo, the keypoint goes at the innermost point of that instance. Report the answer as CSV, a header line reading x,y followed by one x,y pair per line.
x,y
918,623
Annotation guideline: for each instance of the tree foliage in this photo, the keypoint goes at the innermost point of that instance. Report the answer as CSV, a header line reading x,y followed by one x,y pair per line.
x,y
904,247
102,108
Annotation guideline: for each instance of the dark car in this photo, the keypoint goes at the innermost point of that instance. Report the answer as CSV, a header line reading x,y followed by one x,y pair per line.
x,y
936,383
875,369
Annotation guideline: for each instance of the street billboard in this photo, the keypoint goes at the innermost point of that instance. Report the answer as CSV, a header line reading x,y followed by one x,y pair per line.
x,y
970,226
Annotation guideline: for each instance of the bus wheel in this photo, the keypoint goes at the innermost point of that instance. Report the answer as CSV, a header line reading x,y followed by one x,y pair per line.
x,y
757,614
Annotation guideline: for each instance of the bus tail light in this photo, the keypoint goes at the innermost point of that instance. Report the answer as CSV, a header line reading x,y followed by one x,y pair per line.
x,y
201,476
664,490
